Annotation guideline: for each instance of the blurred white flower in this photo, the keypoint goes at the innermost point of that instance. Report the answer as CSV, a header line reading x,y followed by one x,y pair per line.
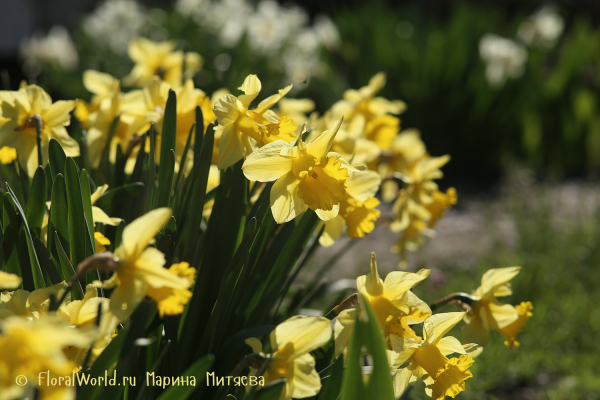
x,y
271,26
542,28
504,58
116,22
55,48
327,32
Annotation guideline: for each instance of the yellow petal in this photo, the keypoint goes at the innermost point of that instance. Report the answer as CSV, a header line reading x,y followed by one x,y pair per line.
x,y
100,216
100,83
503,315
99,192
371,284
511,331
150,266
327,215
320,146
304,380
231,148
402,378
9,281
333,230
138,234
271,100
7,155
266,164
363,184
442,323
494,278
305,333
343,329
397,283
285,203
255,344
59,113
449,345
126,297
251,88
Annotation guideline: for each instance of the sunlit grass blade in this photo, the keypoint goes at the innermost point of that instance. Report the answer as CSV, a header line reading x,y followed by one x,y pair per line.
x,y
168,138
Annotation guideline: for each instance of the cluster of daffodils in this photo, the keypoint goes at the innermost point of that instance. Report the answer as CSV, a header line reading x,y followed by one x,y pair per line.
x,y
426,354
79,330
426,357
336,165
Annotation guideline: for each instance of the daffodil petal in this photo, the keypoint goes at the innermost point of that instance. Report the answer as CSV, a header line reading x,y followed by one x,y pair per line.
x,y
449,345
266,164
138,234
322,143
285,203
306,334
126,297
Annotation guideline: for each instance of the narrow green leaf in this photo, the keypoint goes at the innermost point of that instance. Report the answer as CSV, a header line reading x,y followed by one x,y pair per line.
x,y
332,386
165,186
36,206
199,137
67,270
197,370
192,220
46,261
184,158
11,231
59,216
38,276
367,335
114,197
103,363
80,238
86,197
272,391
150,188
56,157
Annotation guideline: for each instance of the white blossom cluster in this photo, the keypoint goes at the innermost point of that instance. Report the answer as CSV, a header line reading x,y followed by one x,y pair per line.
x,y
505,58
56,48
116,22
271,30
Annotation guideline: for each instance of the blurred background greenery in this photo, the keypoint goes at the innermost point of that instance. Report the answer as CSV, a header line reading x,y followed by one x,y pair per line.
x,y
494,84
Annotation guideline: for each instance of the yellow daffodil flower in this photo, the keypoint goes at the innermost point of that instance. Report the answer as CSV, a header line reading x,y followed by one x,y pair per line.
x,y
511,331
139,268
34,349
148,107
383,130
9,281
306,176
441,202
489,314
160,59
98,116
292,341
364,102
103,86
83,314
295,109
357,209
30,304
98,215
7,155
27,108
392,301
427,358
241,130
101,242
171,301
